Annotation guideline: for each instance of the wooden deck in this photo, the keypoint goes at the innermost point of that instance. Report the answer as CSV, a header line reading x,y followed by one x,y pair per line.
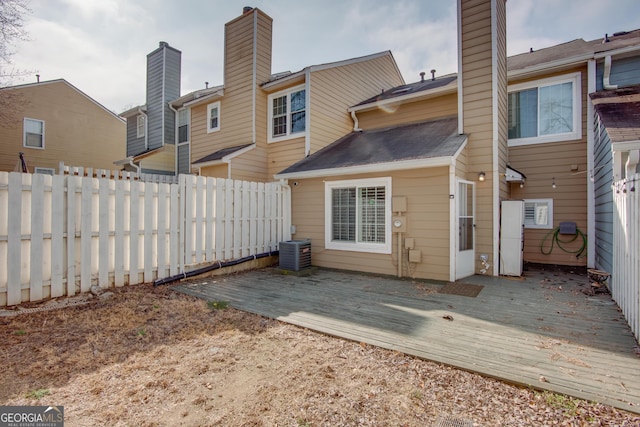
x,y
541,331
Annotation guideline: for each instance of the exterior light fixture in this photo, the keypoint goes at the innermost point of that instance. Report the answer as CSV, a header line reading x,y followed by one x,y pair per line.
x,y
553,182
481,176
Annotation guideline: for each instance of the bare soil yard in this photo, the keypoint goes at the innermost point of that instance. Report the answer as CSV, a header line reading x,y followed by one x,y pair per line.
x,y
152,357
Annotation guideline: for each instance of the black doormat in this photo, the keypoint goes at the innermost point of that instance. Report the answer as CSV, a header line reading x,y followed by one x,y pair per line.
x,y
462,289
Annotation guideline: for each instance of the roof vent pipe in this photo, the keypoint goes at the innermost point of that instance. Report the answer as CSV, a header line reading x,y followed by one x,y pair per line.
x,y
606,38
206,85
246,9
433,75
422,76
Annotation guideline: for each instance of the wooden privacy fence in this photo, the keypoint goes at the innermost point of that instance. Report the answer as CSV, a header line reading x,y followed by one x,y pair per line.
x,y
59,235
625,277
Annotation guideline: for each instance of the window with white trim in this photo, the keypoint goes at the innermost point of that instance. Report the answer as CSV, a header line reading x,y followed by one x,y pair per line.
x,y
287,113
213,117
538,213
358,214
546,110
183,125
33,133
141,126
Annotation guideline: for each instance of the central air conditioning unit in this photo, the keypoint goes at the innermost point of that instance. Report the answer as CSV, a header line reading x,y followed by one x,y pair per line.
x,y
295,255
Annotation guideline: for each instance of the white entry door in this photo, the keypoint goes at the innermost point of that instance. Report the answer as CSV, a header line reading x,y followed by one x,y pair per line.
x,y
465,243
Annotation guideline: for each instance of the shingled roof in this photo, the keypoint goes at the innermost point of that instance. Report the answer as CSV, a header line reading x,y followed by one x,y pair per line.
x,y
387,147
619,110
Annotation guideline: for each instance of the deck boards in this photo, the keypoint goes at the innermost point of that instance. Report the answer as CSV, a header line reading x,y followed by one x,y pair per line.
x,y
514,330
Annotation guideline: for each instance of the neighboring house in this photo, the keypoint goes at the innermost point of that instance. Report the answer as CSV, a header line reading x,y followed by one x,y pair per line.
x,y
258,123
617,158
53,122
151,128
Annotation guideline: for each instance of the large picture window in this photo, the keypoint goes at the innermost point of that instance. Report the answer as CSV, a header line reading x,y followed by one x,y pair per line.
x,y
358,214
546,110
287,113
33,136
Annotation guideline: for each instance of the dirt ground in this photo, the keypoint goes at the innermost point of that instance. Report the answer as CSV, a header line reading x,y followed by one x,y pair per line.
x,y
144,356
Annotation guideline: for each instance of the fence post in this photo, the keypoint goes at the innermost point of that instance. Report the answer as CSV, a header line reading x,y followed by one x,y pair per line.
x,y
57,235
36,251
14,237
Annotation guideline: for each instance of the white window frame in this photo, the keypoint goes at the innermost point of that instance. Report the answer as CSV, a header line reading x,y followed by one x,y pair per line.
x,y
141,126
536,202
24,133
288,134
45,171
210,108
187,114
576,80
382,248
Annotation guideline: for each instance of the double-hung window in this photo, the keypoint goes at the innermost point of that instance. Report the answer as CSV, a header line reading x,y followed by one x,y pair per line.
x,y
213,117
183,125
547,110
287,114
358,214
33,136
141,126
538,213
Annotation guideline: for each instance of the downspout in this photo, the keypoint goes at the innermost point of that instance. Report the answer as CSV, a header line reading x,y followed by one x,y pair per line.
x,y
254,82
607,74
133,165
307,116
356,128
591,204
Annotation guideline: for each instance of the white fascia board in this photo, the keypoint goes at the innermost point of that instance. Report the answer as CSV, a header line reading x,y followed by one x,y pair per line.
x,y
426,94
374,168
207,98
547,67
226,159
617,52
626,145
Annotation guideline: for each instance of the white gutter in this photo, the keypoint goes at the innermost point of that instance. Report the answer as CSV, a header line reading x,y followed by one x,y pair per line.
x,y
495,199
201,100
371,168
591,203
607,74
226,159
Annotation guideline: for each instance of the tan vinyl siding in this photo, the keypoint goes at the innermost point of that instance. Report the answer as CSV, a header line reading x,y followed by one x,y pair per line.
x,y
427,192
250,166
477,113
77,131
336,89
502,97
543,162
283,154
164,160
412,112
217,171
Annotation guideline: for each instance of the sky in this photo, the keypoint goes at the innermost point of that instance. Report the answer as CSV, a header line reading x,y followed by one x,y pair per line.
x,y
100,46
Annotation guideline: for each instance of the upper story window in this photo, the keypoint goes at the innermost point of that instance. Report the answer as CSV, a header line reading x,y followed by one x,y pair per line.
x,y
141,126
33,135
547,110
213,117
287,113
358,214
183,125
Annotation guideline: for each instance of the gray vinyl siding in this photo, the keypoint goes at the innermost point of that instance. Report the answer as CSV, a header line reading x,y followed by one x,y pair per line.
x,y
603,178
163,85
156,171
624,72
183,159
135,145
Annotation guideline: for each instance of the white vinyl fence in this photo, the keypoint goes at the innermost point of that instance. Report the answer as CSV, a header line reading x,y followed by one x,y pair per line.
x,y
625,277
59,235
